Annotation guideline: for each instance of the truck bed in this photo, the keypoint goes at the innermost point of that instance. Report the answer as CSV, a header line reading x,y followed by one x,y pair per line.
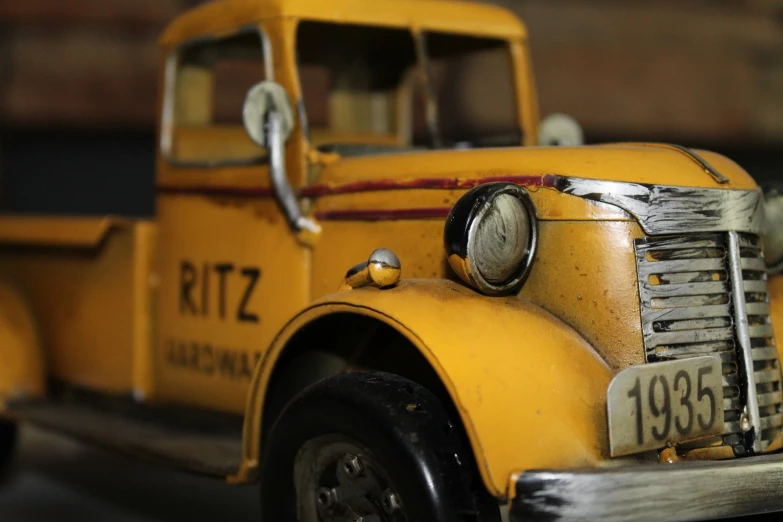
x,y
57,231
88,284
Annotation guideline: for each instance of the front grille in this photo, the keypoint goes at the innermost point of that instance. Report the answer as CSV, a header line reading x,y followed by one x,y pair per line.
x,y
690,308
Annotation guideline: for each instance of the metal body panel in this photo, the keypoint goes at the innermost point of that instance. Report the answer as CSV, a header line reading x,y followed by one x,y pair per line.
x,y
704,164
469,18
91,304
599,299
76,232
486,370
650,492
595,294
23,371
231,275
631,163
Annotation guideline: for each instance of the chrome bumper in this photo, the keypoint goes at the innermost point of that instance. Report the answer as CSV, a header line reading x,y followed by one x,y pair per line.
x,y
651,492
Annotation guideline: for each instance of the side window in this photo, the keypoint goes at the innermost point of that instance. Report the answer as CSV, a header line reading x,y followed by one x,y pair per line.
x,y
206,86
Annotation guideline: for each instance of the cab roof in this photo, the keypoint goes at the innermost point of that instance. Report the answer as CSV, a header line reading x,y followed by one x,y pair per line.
x,y
435,15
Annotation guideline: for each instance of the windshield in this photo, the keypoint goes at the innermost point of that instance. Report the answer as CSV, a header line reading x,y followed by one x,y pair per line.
x,y
372,89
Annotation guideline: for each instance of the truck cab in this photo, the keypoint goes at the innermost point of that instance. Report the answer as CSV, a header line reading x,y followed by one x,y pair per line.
x,y
355,82
367,290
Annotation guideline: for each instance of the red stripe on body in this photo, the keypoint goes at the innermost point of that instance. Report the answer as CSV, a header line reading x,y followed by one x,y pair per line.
x,y
383,214
423,183
358,187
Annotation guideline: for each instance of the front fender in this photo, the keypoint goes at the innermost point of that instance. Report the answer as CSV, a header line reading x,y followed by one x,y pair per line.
x,y
530,391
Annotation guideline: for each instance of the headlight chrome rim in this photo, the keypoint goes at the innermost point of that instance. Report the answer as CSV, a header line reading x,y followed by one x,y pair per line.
x,y
460,235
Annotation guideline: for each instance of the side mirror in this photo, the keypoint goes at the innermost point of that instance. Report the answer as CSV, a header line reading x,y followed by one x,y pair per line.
x,y
560,130
269,120
261,99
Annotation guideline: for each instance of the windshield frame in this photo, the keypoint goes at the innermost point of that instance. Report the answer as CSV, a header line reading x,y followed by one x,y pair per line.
x,y
523,90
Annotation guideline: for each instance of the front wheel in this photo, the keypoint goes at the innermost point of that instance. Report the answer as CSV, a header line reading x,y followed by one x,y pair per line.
x,y
370,447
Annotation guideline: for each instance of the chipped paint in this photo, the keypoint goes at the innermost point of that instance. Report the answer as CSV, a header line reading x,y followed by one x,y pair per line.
x,y
685,491
662,209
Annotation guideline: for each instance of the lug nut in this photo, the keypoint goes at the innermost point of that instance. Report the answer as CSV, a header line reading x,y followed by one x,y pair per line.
x,y
390,501
326,497
352,466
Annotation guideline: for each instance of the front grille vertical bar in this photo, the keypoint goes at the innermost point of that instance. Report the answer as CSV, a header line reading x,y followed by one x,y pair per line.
x,y
743,335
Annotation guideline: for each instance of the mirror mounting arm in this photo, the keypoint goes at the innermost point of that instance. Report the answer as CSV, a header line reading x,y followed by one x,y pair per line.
x,y
269,120
284,193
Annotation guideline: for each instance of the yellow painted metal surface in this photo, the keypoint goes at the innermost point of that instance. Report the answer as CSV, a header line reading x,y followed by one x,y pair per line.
x,y
527,103
631,163
231,274
550,204
91,304
441,15
332,256
145,281
531,394
585,274
22,372
55,231
203,143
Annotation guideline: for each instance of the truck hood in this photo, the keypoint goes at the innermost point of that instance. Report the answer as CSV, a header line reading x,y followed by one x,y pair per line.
x,y
643,163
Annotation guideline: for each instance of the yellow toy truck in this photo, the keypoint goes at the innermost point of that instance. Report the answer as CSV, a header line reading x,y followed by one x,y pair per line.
x,y
538,333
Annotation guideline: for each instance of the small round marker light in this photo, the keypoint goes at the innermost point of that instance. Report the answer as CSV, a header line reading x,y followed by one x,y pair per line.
x,y
490,237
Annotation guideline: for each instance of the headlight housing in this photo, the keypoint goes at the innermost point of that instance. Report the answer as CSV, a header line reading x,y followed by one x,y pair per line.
x,y
773,233
490,237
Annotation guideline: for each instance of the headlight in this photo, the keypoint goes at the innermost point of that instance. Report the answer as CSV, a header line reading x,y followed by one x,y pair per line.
x,y
773,236
490,237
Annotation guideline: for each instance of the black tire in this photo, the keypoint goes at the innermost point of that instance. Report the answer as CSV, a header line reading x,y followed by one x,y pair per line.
x,y
7,445
414,462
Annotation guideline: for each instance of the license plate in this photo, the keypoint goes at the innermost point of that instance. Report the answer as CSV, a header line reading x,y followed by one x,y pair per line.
x,y
651,406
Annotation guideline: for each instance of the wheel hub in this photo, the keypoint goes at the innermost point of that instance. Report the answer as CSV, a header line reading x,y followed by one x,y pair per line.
x,y
338,481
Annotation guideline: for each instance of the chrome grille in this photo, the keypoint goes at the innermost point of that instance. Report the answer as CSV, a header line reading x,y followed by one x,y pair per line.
x,y
689,309
764,356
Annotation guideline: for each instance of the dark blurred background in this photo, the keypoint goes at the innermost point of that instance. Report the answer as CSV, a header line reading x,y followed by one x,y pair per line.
x,y
78,87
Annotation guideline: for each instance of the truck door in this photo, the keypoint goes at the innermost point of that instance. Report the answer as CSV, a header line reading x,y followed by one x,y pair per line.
x,y
231,272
